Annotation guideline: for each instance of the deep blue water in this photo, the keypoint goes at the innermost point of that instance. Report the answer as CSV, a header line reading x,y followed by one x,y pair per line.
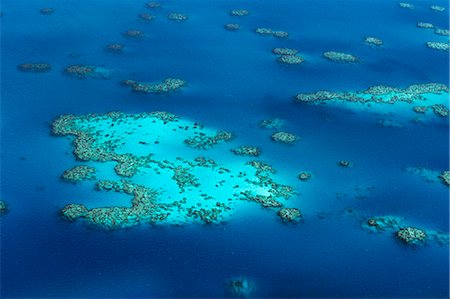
x,y
233,82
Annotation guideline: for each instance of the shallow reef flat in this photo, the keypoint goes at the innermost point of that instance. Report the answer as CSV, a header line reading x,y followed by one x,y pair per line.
x,y
162,162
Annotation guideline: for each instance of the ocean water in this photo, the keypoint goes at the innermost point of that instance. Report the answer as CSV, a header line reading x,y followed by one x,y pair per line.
x,y
234,82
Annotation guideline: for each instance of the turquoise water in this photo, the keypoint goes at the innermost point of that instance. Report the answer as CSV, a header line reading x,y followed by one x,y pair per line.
x,y
234,82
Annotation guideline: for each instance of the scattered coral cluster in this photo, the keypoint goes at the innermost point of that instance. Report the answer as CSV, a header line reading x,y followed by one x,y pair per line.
x,y
203,141
445,177
114,48
290,214
232,26
133,34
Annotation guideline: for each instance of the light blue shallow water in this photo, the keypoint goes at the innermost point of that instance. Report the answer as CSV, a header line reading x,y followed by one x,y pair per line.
x,y
234,81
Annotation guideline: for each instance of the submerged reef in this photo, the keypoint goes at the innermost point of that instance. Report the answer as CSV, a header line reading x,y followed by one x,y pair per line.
x,y
247,150
270,32
425,25
34,67
381,94
272,123
373,41
145,148
284,137
79,173
178,17
239,12
145,17
426,174
82,71
445,177
290,214
169,84
46,11
239,288
438,46
153,5
3,207
340,57
133,34
114,48
232,26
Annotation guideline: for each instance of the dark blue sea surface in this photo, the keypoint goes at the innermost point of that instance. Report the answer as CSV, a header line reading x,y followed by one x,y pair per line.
x,y
234,81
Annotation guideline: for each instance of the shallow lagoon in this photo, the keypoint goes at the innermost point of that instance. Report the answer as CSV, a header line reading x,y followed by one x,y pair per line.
x,y
234,81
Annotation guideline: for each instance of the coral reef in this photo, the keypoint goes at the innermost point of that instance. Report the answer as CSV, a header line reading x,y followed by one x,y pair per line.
x,y
425,25
411,235
232,26
34,67
133,34
406,5
203,141
290,59
290,214
378,94
270,32
178,17
46,11
440,110
145,17
240,288
438,46
437,8
74,211
79,173
3,207
406,233
284,51
153,5
284,137
114,48
340,57
87,71
168,85
373,41
145,147
445,177
304,176
239,12
345,163
420,109
246,150
440,31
